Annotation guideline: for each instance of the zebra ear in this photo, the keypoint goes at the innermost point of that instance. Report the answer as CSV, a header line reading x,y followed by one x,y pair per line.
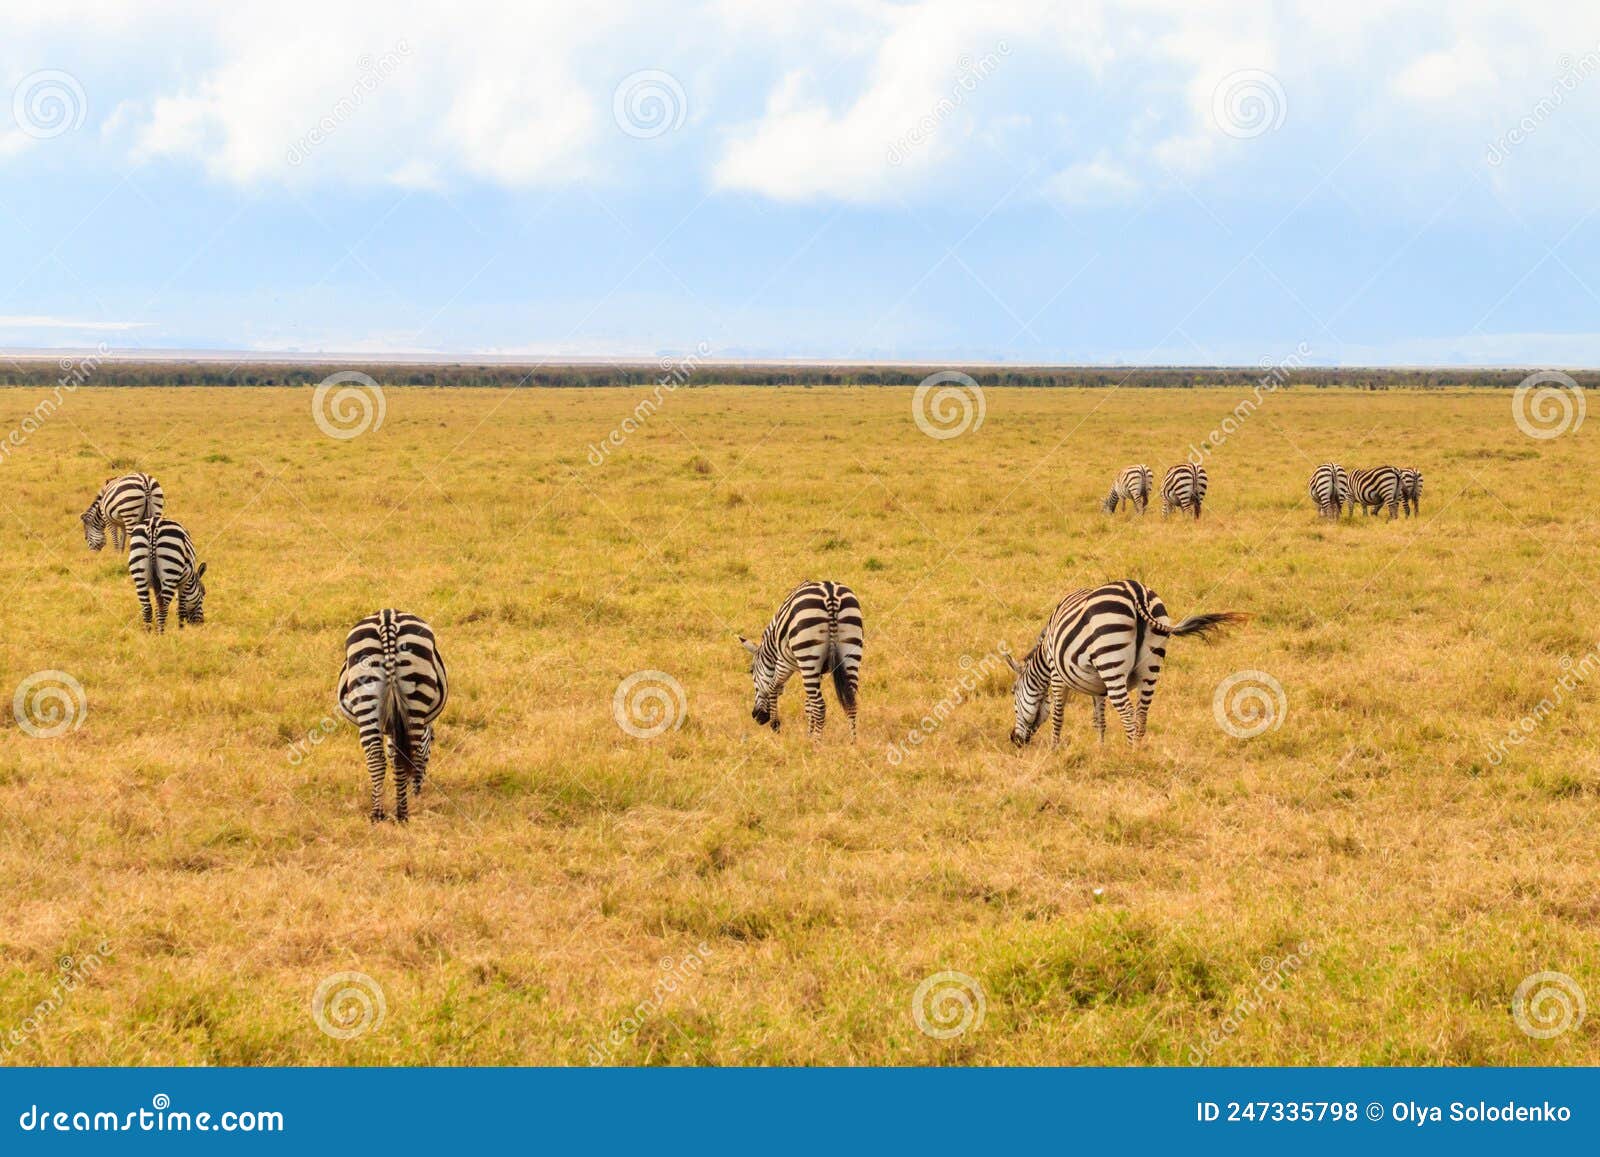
x,y
202,571
748,645
1013,664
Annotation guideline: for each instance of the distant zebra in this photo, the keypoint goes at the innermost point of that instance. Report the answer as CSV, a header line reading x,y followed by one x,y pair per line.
x,y
1104,642
817,631
1376,488
162,564
393,686
1411,490
1330,490
122,504
1184,488
1133,486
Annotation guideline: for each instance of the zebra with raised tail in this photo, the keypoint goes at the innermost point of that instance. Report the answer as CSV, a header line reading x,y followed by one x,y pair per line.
x,y
161,561
1376,488
1183,488
392,687
1330,490
123,503
1410,490
816,631
1107,642
1132,486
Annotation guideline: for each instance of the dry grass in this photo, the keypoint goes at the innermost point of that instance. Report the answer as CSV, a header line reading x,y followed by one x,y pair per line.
x,y
1113,906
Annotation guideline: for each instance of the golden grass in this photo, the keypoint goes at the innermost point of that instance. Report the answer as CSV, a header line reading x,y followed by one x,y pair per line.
x,y
1114,907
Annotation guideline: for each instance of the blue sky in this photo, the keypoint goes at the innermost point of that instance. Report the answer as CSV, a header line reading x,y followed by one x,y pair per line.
x,y
1101,182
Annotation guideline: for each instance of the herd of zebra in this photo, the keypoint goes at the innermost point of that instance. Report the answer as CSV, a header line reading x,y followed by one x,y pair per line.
x,y
1107,642
1332,489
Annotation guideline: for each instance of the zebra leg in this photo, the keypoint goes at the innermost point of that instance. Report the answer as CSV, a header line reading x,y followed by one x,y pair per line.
x,y
1058,705
1147,692
161,613
419,770
144,608
1100,716
816,707
373,743
1118,694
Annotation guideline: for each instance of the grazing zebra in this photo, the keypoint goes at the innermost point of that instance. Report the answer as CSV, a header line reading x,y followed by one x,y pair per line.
x,y
121,505
1133,486
1330,490
816,631
393,686
1411,490
1376,488
1105,642
161,562
1184,488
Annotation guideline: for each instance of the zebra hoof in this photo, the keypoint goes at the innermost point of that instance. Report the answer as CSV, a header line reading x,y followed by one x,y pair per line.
x,y
378,816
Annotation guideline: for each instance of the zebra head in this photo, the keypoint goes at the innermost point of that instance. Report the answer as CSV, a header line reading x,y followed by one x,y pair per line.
x,y
1027,697
94,526
192,598
764,675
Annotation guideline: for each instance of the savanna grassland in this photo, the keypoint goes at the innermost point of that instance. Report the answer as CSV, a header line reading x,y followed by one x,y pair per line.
x,y
1390,874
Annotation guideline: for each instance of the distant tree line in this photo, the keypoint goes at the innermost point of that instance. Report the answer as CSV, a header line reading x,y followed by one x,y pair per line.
x,y
42,373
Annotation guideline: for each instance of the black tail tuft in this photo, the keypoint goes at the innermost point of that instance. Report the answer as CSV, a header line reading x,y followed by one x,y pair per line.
x,y
843,685
1203,625
405,748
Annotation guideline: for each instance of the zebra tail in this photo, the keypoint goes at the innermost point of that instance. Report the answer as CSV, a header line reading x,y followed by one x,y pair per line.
x,y
396,721
1203,625
836,664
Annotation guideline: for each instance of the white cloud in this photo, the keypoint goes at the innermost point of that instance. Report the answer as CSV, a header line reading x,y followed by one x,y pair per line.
x,y
1097,182
16,321
1444,76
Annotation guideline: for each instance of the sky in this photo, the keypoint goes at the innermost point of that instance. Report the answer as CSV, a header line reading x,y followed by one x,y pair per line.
x,y
1139,182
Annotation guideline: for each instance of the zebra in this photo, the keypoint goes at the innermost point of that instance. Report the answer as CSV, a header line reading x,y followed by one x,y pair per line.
x,y
393,686
816,631
1411,490
1376,488
1105,642
1184,488
122,503
1133,486
161,561
1330,490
